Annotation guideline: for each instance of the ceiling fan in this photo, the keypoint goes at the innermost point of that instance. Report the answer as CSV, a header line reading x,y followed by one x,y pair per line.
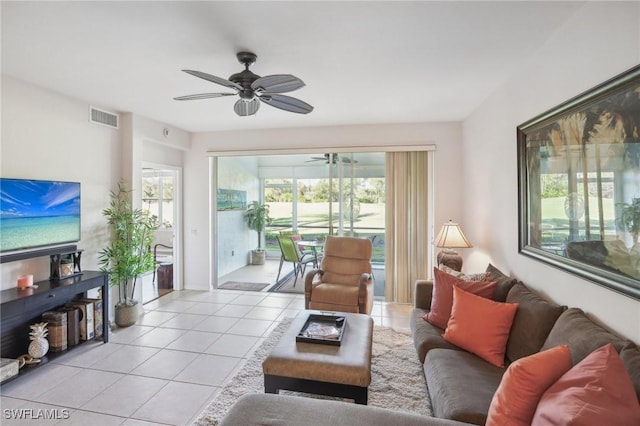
x,y
332,159
254,89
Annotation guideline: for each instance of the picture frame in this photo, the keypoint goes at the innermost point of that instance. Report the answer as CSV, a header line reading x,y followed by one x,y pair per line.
x,y
231,199
579,185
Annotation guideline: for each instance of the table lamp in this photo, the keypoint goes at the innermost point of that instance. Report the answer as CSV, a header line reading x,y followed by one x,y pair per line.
x,y
450,237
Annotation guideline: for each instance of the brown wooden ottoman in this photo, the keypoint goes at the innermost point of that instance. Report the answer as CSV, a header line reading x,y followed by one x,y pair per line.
x,y
343,371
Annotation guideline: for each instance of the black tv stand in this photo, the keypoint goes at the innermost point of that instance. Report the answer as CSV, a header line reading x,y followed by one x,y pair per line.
x,y
21,308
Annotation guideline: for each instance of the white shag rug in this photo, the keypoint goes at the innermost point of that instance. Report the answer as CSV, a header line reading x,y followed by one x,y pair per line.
x,y
397,380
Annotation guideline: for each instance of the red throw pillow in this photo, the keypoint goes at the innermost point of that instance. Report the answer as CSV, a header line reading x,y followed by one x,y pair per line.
x,y
442,295
522,385
480,325
596,391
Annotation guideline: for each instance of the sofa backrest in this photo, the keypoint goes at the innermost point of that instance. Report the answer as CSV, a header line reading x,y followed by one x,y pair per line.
x,y
532,323
630,356
504,283
583,336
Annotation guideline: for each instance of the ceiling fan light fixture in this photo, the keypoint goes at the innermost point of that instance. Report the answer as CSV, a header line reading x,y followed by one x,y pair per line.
x,y
244,107
252,88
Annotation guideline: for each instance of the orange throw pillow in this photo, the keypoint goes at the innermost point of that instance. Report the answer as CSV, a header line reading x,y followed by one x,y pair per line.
x,y
442,295
596,391
522,385
480,325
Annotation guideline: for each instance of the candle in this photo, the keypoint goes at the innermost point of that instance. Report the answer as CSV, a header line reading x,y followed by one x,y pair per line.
x,y
25,281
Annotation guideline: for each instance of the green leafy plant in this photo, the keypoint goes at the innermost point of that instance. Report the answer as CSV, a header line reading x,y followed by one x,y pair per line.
x,y
629,219
257,217
129,254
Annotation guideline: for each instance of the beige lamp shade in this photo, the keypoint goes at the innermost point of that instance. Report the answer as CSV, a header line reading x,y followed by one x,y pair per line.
x,y
450,237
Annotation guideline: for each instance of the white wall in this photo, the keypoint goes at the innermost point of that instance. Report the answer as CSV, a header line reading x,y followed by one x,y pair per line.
x,y
48,136
446,136
599,42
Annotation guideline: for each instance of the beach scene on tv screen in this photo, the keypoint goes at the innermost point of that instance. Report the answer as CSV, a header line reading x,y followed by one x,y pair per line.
x,y
35,213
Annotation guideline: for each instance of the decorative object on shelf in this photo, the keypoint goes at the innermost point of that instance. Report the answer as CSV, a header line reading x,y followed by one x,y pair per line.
x,y
73,324
25,281
87,323
57,330
39,345
97,315
65,264
584,155
257,217
129,255
450,237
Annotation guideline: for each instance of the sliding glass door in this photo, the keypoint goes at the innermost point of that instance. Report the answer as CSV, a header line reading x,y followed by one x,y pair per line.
x,y
311,195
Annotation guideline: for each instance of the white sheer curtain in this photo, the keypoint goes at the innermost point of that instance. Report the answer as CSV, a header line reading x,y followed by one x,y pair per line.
x,y
407,245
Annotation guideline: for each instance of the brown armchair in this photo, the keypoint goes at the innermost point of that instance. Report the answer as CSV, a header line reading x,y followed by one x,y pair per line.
x,y
344,281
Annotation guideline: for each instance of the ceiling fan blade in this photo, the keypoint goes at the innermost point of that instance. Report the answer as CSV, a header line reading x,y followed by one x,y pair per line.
x,y
202,96
287,103
214,79
347,160
245,107
277,83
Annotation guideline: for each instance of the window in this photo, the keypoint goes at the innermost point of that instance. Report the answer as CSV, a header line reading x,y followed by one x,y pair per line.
x,y
157,196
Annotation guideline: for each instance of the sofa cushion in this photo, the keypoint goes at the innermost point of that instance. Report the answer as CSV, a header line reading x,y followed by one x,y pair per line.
x,y
582,335
630,355
480,325
270,409
442,298
596,391
504,283
478,276
533,321
460,384
426,336
523,384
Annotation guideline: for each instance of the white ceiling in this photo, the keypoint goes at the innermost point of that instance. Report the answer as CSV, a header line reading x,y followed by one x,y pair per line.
x,y
363,62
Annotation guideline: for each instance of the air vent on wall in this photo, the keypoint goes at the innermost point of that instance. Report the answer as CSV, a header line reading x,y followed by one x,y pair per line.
x,y
102,117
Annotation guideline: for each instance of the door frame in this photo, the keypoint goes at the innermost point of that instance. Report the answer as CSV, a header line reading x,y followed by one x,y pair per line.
x,y
178,261
213,173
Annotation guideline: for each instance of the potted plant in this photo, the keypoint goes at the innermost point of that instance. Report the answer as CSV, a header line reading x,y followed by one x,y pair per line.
x,y
629,219
129,254
257,216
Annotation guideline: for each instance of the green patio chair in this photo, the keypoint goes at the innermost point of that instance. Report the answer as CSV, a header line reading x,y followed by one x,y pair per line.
x,y
290,253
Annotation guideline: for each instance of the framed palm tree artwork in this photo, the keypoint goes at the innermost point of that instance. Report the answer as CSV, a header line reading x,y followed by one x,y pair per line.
x,y
579,185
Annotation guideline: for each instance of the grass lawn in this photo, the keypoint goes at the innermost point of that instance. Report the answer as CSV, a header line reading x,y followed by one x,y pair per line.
x,y
313,223
555,224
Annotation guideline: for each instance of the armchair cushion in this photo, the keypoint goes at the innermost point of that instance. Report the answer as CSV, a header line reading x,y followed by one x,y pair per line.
x,y
335,294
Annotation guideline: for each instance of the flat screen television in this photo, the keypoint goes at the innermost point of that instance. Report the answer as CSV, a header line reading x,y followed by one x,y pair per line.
x,y
38,213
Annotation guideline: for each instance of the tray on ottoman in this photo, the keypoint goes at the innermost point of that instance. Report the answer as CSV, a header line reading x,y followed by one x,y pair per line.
x,y
324,329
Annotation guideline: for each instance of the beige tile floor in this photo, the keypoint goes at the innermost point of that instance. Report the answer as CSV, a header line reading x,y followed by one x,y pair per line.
x,y
164,369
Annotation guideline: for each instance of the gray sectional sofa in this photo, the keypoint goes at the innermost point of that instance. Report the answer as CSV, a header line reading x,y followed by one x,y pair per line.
x,y
461,385
272,409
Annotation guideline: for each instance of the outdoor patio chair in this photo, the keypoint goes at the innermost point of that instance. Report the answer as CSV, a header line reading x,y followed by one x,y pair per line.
x,y
291,253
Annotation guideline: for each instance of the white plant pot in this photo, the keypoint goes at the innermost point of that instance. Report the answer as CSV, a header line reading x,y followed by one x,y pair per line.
x,y
258,257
